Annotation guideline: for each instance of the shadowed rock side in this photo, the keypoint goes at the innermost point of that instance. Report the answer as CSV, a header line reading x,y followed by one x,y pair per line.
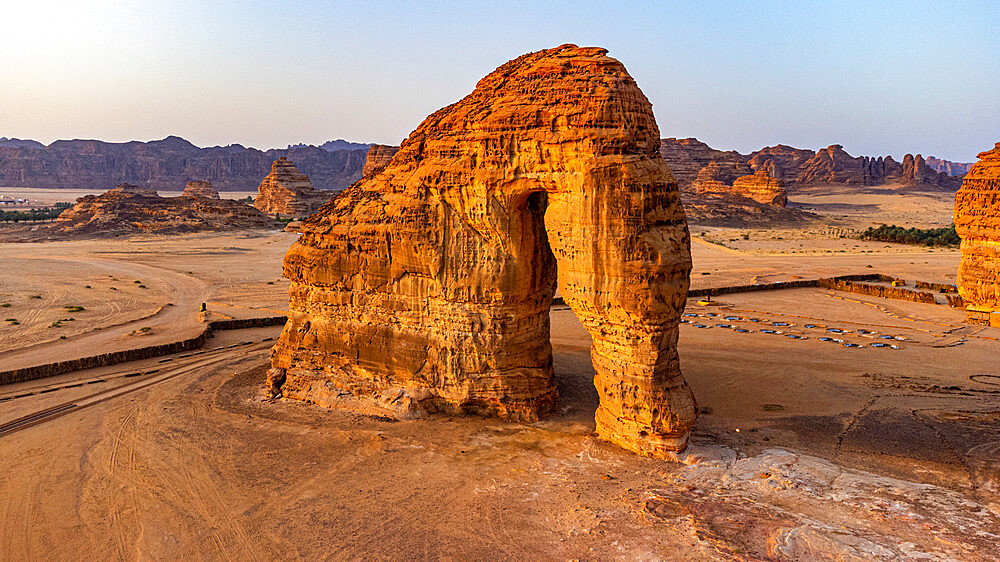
x,y
130,209
287,191
427,287
378,158
200,189
977,221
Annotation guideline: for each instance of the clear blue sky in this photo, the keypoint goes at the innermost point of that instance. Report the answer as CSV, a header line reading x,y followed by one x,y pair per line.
x,y
877,77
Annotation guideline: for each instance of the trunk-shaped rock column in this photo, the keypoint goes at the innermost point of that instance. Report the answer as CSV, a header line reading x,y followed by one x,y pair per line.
x,y
623,269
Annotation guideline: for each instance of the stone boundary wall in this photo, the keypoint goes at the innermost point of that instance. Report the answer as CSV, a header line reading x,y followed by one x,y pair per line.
x,y
846,283
939,287
714,291
116,357
897,293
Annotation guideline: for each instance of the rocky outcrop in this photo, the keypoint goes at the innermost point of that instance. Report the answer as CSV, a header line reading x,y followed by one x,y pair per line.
x,y
687,157
726,208
166,164
948,167
762,187
378,158
977,221
832,165
797,168
197,188
287,191
427,286
131,209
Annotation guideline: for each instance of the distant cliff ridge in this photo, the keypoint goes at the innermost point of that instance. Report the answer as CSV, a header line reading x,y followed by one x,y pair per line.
x,y
339,144
19,143
166,164
690,159
947,167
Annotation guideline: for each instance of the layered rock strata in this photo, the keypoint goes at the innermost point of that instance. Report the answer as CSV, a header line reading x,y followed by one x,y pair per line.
x,y
167,164
287,191
762,187
977,221
378,158
130,209
427,286
759,186
204,189
798,168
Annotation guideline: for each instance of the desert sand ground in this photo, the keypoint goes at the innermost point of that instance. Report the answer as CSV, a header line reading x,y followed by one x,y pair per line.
x,y
804,449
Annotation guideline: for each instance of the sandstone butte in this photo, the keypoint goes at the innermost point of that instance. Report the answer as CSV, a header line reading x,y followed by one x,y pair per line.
x,y
761,187
977,221
197,188
799,168
131,209
378,158
287,191
427,287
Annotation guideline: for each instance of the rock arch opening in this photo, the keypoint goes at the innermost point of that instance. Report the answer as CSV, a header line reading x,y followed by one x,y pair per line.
x,y
427,286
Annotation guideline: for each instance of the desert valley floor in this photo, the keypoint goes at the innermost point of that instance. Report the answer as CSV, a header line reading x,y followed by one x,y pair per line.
x,y
804,447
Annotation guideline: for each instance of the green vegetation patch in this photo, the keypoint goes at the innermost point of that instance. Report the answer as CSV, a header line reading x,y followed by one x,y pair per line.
x,y
34,215
74,308
916,236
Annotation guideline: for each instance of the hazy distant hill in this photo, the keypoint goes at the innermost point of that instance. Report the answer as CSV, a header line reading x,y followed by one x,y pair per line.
x,y
167,164
948,167
19,143
334,145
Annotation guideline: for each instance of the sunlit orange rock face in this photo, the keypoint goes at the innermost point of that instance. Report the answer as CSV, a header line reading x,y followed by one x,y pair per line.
x,y
762,187
427,286
378,158
977,221
287,191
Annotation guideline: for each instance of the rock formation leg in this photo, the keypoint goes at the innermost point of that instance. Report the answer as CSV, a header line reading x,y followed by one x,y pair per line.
x,y
623,254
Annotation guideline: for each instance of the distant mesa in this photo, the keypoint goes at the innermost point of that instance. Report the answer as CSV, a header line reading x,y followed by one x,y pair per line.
x,y
977,221
133,209
801,169
200,188
378,158
947,167
168,164
287,191
335,145
426,287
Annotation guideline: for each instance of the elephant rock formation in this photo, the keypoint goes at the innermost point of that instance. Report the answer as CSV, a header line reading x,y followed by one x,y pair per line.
x,y
977,221
427,287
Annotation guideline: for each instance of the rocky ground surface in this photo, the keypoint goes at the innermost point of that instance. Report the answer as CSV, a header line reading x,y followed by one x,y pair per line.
x,y
805,449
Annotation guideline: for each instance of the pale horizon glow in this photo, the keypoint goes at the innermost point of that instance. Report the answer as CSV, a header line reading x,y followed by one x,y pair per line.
x,y
900,77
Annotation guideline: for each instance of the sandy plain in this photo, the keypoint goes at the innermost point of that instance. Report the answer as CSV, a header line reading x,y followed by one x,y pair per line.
x,y
804,448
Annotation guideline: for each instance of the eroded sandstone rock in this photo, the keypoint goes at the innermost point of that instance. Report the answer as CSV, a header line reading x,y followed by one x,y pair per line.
x,y
378,158
132,209
762,187
204,189
287,191
977,221
428,285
